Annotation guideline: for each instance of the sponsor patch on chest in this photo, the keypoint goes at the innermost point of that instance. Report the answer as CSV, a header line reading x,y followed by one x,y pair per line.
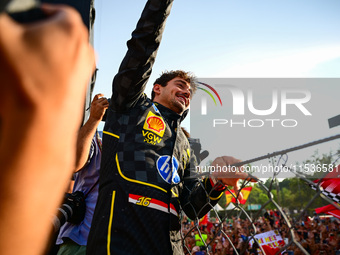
x,y
167,168
153,129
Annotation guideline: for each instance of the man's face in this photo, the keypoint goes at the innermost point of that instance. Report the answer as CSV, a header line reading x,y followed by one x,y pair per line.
x,y
175,95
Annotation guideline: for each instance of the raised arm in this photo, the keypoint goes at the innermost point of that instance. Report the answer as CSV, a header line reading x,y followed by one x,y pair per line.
x,y
135,69
98,106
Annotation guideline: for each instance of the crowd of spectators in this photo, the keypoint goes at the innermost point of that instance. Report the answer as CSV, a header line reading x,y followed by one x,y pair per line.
x,y
316,236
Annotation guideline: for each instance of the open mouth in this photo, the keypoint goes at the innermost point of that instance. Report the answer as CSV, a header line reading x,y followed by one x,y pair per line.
x,y
182,99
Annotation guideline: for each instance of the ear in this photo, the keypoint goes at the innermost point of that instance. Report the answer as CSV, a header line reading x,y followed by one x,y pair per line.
x,y
157,89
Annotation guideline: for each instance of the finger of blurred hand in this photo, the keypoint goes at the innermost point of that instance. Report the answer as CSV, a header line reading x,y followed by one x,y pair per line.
x,y
97,96
223,168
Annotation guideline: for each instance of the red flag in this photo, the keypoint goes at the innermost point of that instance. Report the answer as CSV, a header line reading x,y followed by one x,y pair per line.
x,y
331,188
329,209
269,250
204,220
331,184
245,193
229,197
334,174
335,213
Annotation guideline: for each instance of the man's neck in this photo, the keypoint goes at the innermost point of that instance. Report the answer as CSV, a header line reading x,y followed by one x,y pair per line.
x,y
168,113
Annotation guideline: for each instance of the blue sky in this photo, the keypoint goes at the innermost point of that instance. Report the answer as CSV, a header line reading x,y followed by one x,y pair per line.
x,y
224,38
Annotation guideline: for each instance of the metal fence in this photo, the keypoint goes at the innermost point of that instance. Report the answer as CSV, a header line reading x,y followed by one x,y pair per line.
x,y
235,230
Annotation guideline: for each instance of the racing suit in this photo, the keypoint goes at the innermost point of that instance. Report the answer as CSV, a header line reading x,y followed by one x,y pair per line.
x,y
146,157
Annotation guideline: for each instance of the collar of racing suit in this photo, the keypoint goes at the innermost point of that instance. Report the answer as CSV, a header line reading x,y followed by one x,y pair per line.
x,y
171,115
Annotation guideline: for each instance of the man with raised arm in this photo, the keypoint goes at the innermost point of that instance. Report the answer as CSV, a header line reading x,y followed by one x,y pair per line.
x,y
146,156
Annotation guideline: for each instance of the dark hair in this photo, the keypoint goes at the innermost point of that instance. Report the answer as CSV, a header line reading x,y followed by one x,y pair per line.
x,y
169,75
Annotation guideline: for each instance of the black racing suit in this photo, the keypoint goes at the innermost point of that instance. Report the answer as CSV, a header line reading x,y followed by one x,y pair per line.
x,y
145,159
